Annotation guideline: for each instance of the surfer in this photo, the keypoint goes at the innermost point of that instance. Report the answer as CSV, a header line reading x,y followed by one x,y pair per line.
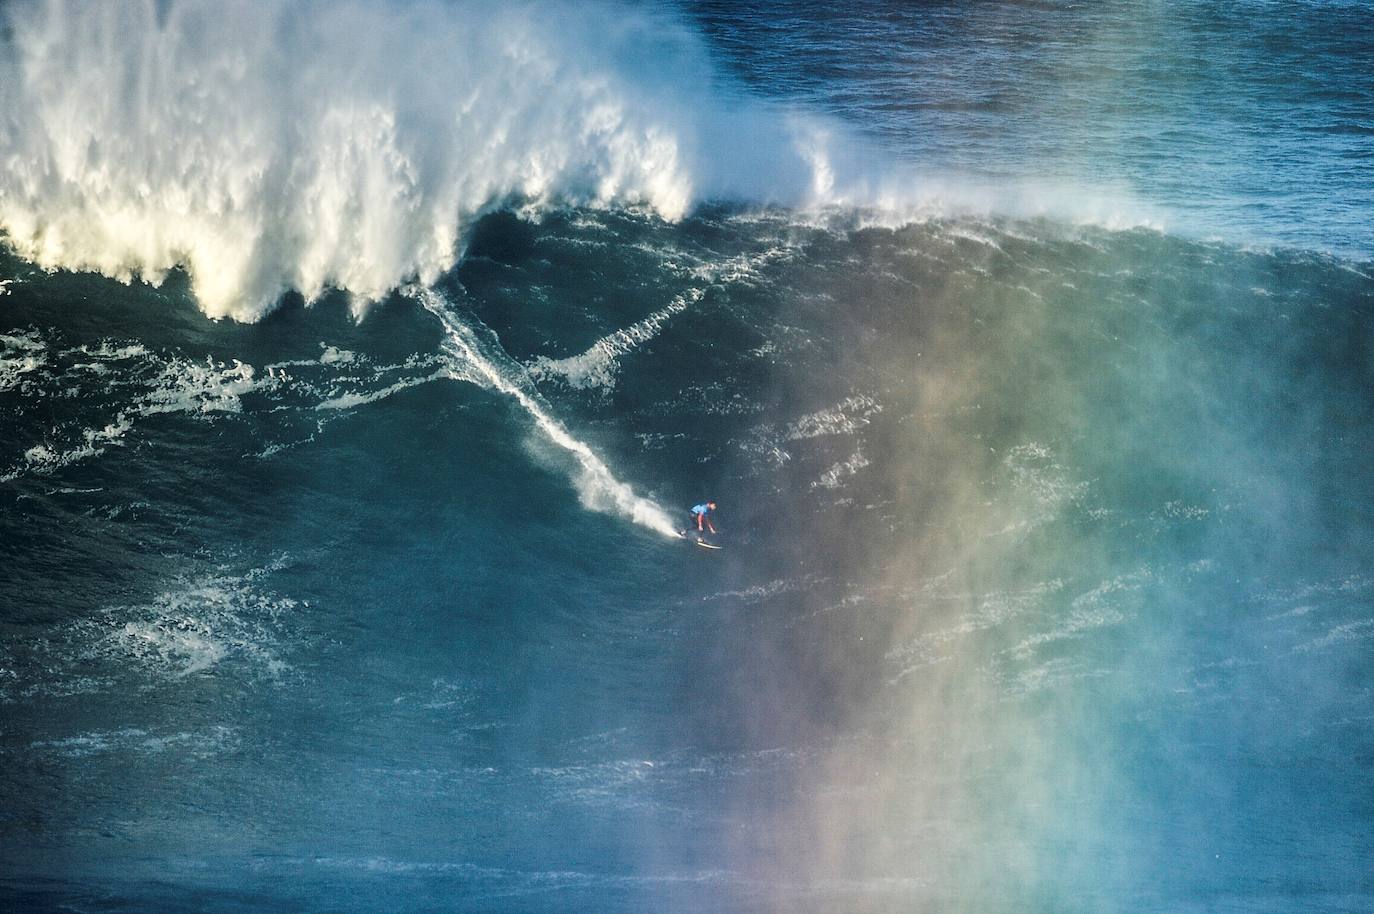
x,y
701,517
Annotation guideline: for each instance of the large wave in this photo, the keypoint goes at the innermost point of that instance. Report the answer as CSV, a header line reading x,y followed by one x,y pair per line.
x,y
280,145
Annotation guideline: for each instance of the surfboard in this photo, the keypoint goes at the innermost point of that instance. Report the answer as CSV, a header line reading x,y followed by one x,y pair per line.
x,y
704,545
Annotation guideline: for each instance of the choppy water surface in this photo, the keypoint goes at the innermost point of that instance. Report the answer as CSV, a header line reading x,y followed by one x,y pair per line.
x,y
1046,581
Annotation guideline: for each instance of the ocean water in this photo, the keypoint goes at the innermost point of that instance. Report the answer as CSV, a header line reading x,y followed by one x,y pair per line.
x,y
358,363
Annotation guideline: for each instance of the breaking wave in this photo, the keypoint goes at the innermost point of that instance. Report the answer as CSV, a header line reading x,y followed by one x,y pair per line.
x,y
275,146
279,145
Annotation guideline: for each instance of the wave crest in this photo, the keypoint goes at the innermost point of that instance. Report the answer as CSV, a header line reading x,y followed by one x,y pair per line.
x,y
305,145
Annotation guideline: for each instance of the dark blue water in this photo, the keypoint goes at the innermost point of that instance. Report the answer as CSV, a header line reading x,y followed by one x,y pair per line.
x,y
1046,542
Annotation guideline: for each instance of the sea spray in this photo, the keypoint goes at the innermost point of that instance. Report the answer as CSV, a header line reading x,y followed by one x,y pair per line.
x,y
596,485
279,146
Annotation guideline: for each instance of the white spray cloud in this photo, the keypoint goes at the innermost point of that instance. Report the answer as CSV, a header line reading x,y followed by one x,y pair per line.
x,y
303,144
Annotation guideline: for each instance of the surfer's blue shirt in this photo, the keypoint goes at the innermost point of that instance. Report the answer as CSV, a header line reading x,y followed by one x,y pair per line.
x,y
701,509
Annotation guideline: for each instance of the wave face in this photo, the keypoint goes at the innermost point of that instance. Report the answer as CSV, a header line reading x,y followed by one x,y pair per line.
x,y
1046,562
1045,581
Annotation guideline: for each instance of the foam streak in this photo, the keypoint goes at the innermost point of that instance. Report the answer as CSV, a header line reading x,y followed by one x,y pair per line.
x,y
596,484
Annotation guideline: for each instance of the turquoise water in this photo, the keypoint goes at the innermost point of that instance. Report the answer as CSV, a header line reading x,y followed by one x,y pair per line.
x,y
1044,492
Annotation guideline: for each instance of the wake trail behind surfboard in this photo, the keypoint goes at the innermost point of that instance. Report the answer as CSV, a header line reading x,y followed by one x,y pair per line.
x,y
490,365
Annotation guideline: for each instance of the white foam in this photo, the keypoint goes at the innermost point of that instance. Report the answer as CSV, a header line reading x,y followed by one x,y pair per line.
x,y
331,355
44,459
1106,604
757,592
144,384
204,623
742,268
359,398
108,350
194,387
173,641
597,366
990,610
1360,629
348,143
844,418
181,386
1040,485
203,743
1051,674
488,365
228,622
834,477
20,354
